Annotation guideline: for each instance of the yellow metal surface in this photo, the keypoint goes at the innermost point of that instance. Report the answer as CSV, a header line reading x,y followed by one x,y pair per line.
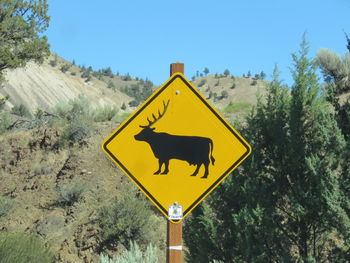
x,y
188,114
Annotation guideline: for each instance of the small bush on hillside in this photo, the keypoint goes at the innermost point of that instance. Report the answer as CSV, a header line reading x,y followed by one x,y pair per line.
x,y
23,248
6,203
75,109
128,217
123,107
5,122
237,107
233,86
224,94
3,101
39,113
127,77
111,85
70,193
42,169
201,83
64,68
53,63
254,82
20,110
133,103
76,133
105,113
121,117
133,255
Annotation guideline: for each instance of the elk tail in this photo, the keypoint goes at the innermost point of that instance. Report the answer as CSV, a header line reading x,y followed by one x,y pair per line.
x,y
211,152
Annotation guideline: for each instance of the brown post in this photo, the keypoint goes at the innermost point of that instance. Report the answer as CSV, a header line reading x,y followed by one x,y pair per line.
x,y
174,230
176,68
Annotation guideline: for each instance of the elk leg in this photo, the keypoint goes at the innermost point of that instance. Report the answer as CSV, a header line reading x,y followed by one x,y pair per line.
x,y
166,170
196,171
206,173
159,166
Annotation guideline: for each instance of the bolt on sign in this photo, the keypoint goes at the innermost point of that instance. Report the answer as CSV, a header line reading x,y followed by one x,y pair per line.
x,y
176,147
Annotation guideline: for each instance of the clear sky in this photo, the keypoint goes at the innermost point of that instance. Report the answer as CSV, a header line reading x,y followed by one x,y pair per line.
x,y
143,37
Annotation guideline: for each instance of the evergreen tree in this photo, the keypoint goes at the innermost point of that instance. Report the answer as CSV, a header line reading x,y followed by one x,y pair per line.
x,y
206,71
347,41
336,71
262,75
287,203
21,25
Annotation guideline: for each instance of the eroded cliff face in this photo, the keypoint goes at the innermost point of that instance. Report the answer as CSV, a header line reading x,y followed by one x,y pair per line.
x,y
44,86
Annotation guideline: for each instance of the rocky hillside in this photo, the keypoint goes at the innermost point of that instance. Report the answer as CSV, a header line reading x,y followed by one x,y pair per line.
x,y
224,90
57,188
58,81
58,192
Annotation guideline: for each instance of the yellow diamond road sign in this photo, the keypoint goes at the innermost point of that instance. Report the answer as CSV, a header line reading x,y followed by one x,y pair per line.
x,y
176,147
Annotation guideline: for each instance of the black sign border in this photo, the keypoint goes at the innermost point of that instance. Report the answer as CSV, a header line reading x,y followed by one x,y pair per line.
x,y
153,97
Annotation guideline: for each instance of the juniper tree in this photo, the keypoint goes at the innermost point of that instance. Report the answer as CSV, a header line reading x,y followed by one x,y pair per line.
x,y
286,203
21,25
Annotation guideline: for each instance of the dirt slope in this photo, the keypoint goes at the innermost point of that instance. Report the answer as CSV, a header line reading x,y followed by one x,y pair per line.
x,y
34,173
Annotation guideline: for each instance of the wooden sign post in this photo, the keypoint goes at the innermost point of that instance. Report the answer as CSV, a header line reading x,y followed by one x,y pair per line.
x,y
174,230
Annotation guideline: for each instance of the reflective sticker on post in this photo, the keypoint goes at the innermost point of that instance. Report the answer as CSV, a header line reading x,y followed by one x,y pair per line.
x,y
175,248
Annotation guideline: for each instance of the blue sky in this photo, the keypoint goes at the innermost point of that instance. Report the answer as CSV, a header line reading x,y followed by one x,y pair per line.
x,y
144,37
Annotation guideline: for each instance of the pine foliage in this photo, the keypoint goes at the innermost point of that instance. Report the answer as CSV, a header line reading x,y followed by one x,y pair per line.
x,y
286,203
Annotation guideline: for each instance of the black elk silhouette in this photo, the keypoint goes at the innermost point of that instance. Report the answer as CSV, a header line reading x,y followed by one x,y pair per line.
x,y
193,149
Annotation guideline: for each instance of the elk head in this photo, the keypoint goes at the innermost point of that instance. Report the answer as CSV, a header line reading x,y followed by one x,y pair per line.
x,y
147,131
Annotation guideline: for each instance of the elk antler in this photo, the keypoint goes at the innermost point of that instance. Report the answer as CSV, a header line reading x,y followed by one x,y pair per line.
x,y
155,119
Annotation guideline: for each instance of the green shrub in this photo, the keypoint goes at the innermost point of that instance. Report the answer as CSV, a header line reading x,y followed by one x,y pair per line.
x,y
20,110
111,85
5,122
6,203
201,83
75,133
123,107
106,113
133,103
239,106
224,94
23,248
78,108
42,169
39,113
70,193
86,75
128,217
3,100
127,77
53,63
64,68
121,117
134,255
254,82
